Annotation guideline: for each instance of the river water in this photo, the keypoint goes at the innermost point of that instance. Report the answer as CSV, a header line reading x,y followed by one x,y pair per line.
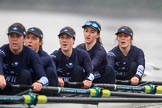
x,y
147,35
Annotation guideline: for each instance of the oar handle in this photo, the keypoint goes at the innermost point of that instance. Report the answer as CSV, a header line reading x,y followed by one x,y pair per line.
x,y
22,86
124,82
73,84
10,85
128,82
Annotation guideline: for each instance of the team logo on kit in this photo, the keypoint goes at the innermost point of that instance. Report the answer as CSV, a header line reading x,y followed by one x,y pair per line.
x,y
15,28
14,64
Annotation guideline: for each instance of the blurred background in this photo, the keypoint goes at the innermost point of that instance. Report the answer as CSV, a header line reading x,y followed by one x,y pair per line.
x,y
109,8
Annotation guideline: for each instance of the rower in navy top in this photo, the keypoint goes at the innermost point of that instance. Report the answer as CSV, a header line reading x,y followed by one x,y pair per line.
x,y
93,45
127,60
72,64
16,60
34,40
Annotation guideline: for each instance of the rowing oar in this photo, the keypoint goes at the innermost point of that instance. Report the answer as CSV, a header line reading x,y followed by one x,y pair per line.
x,y
92,92
150,89
127,82
31,99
